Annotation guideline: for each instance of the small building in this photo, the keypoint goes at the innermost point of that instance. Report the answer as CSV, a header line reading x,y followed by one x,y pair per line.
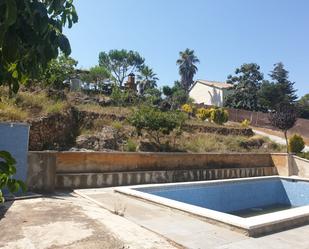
x,y
209,92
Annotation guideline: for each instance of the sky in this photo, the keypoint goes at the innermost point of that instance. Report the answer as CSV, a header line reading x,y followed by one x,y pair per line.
x,y
223,33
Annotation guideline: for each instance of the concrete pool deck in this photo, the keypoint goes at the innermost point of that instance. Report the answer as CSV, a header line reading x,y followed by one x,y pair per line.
x,y
70,221
189,231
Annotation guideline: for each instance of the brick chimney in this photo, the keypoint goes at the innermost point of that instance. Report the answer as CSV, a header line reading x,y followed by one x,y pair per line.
x,y
130,84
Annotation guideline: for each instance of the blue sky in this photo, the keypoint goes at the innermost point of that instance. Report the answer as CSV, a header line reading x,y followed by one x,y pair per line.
x,y
223,33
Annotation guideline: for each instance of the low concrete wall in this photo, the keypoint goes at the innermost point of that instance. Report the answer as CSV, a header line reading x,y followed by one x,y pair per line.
x,y
49,170
95,180
300,167
98,162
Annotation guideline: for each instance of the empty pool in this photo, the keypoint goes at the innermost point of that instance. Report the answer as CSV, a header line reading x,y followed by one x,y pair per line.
x,y
255,205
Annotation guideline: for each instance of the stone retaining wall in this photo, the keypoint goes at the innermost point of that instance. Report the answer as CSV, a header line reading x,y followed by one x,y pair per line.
x,y
49,170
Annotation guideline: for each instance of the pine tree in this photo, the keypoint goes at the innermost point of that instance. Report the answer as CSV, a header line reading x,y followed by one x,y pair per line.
x,y
285,87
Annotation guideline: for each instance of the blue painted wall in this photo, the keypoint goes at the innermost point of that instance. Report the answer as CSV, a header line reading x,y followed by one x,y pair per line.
x,y
14,138
235,196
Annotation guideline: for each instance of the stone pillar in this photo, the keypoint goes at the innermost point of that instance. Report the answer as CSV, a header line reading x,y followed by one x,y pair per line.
x,y
41,171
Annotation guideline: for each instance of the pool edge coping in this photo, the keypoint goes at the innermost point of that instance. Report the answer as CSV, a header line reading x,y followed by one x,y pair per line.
x,y
249,225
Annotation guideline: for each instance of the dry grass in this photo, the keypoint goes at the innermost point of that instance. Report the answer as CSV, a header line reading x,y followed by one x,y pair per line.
x,y
120,111
11,112
27,105
217,143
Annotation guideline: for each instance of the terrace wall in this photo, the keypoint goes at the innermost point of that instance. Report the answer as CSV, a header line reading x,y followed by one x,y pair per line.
x,y
49,170
300,167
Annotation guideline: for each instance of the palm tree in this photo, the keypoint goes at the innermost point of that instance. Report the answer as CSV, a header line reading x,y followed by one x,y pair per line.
x,y
147,79
187,67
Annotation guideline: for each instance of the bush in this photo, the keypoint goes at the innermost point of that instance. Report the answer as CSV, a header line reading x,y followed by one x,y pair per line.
x,y
203,113
130,146
245,123
219,116
296,144
155,122
187,108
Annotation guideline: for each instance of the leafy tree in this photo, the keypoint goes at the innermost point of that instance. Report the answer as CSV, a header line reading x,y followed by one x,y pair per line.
x,y
284,119
147,79
121,63
155,122
246,82
187,67
303,105
176,96
58,71
7,171
30,36
98,75
152,96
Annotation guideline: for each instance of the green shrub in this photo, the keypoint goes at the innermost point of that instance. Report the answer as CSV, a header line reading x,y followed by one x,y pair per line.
x,y
203,113
245,123
187,108
296,144
130,145
155,122
219,116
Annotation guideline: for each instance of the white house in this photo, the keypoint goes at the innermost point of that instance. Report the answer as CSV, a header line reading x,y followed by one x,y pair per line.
x,y
209,92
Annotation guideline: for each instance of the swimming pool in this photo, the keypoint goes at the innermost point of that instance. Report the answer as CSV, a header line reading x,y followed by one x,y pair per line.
x,y
257,205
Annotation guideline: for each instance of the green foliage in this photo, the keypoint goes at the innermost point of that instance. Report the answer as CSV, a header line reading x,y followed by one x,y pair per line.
x,y
7,171
147,79
219,116
303,105
155,122
281,90
187,67
296,144
130,146
30,36
59,70
203,113
176,96
246,82
286,87
284,119
124,97
245,123
152,96
121,63
98,75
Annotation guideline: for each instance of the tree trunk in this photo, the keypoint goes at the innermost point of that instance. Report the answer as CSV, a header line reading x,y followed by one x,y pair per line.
x,y
286,140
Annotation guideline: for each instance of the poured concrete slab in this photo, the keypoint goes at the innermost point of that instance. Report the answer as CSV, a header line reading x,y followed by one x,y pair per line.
x,y
66,222
187,230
